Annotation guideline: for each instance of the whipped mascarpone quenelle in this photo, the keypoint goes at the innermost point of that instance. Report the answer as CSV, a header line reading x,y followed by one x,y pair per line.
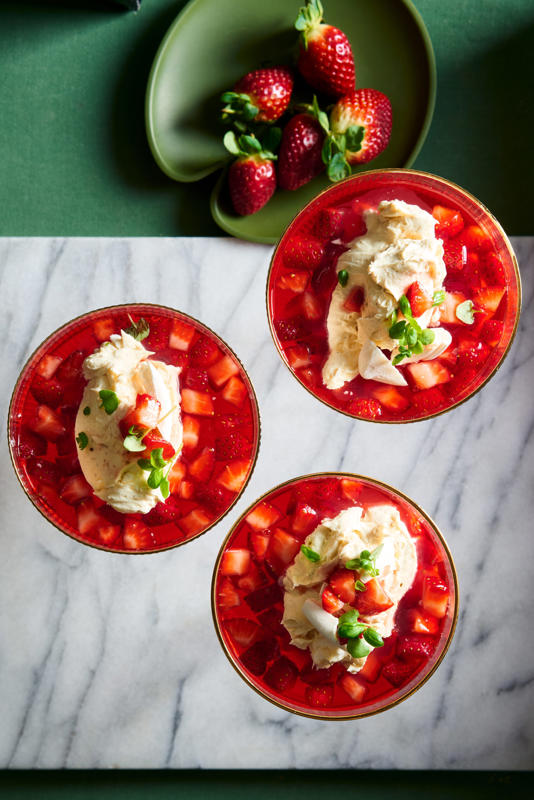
x,y
399,248
337,541
122,365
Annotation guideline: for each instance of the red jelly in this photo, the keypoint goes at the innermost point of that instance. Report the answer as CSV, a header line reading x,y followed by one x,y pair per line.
x,y
220,439
481,267
248,602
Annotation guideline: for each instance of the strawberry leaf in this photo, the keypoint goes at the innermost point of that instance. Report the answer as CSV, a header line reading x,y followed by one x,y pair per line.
x,y
354,138
338,168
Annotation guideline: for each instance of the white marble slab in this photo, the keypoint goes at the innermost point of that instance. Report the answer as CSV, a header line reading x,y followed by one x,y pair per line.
x,y
112,661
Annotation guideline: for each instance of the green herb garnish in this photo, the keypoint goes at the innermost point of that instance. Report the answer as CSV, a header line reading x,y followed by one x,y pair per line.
x,y
373,637
349,625
465,312
134,441
366,562
82,440
309,553
360,586
110,401
412,339
139,330
86,411
357,648
155,467
342,277
438,297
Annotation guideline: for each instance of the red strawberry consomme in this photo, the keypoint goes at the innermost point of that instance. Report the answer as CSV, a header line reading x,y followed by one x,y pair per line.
x,y
219,415
247,602
481,267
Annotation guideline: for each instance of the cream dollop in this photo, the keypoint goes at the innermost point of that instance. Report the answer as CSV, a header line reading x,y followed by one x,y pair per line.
x,y
399,247
338,540
123,366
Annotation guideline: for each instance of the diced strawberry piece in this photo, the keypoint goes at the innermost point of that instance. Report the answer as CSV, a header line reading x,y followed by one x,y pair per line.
x,y
298,356
191,432
330,223
271,620
449,357
222,370
303,252
398,672
88,517
310,375
283,546
256,658
492,270
235,561
421,622
166,511
371,669
476,239
448,307
144,416
108,533
489,298
281,675
42,471
213,497
435,596
373,600
155,441
491,331
196,378
428,400
70,371
235,391
234,475
30,444
68,464
202,467
196,521
47,423
232,445
391,398
290,329
75,489
341,582
197,403
263,516
242,630
204,352
425,374
366,407
227,594
318,677
472,352
454,257
415,645
252,580
186,490
311,306
47,366
304,519
350,488
331,602
103,328
449,222
294,281
263,598
355,300
49,392
259,543
182,335
418,298
320,696
136,535
353,687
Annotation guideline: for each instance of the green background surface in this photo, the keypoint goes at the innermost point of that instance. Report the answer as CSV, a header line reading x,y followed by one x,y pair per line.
x,y
73,153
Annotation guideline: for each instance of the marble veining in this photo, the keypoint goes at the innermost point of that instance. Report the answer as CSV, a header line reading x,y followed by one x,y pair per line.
x,y
112,661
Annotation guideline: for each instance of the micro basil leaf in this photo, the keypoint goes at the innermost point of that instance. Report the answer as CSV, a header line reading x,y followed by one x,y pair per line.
x,y
83,440
438,297
397,329
86,411
156,457
465,312
145,464
347,624
155,478
164,488
373,637
360,586
411,336
310,554
357,648
417,348
342,277
110,401
134,444
139,330
427,336
405,306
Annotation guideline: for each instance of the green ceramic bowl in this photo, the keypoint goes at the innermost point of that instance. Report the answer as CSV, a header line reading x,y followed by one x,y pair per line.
x,y
212,43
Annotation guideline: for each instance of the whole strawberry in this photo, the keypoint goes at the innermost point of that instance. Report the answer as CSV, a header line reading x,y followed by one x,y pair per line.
x,y
300,155
325,58
361,124
262,95
252,177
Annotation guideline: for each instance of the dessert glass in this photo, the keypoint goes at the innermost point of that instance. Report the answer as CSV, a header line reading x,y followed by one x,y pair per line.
x,y
45,466
482,265
272,531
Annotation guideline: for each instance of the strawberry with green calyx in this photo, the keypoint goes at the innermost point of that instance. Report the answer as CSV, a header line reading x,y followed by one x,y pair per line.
x,y
325,59
360,126
260,96
252,177
300,157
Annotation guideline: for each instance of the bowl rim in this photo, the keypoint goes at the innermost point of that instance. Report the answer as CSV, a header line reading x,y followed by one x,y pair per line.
x,y
443,543
19,472
500,230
